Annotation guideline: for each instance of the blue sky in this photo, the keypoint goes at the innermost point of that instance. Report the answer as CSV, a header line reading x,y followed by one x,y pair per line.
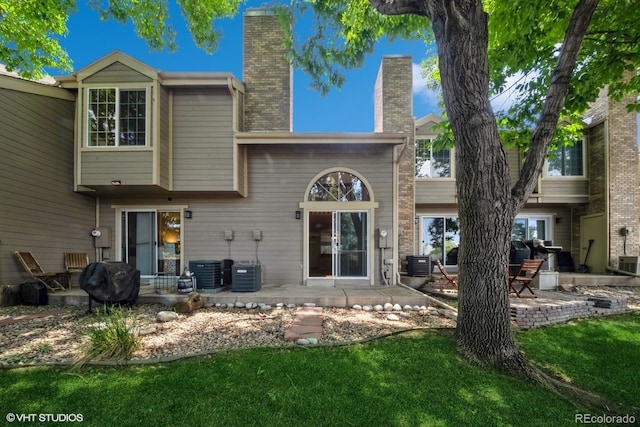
x,y
347,110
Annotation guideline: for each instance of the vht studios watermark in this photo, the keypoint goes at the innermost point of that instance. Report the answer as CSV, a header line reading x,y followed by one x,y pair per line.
x,y
42,418
604,419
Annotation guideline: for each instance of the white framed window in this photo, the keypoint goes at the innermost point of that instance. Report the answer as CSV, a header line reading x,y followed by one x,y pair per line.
x,y
531,228
566,161
431,163
117,117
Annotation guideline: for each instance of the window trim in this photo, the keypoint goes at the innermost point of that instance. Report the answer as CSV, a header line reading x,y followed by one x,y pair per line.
x,y
147,88
545,169
451,161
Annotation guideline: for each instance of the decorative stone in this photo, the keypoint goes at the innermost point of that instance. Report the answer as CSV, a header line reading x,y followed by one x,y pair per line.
x,y
265,307
251,305
142,331
291,306
239,304
388,306
407,308
166,316
312,341
417,308
309,304
393,317
367,308
357,307
378,307
397,307
279,305
302,341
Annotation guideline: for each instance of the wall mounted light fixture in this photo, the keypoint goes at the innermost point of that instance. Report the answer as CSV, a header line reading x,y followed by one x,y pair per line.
x,y
298,214
188,214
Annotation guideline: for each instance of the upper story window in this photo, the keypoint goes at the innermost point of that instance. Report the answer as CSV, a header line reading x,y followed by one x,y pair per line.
x,y
431,163
566,161
339,186
117,117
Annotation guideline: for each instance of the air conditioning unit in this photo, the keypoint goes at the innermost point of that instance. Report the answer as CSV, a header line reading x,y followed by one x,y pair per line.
x,y
418,265
246,277
630,264
208,274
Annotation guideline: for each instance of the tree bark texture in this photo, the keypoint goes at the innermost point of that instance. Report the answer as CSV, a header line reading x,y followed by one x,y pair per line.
x,y
487,203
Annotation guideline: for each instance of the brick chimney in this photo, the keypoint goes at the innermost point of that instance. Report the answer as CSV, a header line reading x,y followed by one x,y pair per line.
x,y
393,113
266,73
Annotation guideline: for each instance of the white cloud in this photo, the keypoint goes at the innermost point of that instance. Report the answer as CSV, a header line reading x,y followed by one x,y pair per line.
x,y
429,98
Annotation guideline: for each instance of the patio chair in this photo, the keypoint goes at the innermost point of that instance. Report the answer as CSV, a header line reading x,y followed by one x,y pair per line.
x,y
527,271
452,279
50,279
75,263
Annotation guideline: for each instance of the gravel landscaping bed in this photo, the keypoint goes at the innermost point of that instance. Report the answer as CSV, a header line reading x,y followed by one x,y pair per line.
x,y
57,338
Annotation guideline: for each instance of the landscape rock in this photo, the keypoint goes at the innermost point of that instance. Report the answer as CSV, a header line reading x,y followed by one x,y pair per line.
x,y
166,316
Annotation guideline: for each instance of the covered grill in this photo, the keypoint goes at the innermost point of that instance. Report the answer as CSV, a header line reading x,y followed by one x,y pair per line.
x,y
110,283
543,249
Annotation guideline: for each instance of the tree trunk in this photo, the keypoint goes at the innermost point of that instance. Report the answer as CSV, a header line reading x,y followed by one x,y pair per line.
x,y
487,204
482,183
192,302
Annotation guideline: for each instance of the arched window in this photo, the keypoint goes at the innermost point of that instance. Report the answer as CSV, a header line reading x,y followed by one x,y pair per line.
x,y
339,186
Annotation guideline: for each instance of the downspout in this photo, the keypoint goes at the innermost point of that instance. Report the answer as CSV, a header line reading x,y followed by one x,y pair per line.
x,y
97,224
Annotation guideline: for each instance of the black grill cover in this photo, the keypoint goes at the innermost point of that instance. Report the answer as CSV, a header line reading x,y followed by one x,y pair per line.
x,y
109,283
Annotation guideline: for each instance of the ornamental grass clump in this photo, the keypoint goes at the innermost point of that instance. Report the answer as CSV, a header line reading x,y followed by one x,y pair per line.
x,y
112,338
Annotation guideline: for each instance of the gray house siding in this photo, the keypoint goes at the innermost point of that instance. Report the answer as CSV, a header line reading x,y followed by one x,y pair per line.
x,y
435,191
39,212
279,176
116,73
131,167
202,140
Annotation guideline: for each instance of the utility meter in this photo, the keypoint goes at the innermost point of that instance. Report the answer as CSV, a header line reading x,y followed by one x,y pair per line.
x,y
383,238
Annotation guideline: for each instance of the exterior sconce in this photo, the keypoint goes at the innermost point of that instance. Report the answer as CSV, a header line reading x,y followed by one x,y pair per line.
x,y
298,214
188,214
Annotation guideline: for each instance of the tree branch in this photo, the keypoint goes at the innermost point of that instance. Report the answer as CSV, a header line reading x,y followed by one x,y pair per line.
x,y
401,7
545,128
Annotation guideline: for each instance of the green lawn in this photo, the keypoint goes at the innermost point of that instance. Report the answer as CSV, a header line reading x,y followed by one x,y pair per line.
x,y
601,354
413,379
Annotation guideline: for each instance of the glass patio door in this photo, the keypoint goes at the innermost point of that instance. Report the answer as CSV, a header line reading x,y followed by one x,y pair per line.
x,y
349,244
150,241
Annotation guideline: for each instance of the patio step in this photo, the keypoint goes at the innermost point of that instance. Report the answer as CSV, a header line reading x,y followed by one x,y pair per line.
x,y
307,323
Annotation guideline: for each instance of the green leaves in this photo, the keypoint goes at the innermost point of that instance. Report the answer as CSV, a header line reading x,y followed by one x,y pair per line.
x,y
339,34
525,38
29,33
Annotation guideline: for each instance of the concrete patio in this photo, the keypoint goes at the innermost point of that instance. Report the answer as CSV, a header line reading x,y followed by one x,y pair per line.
x,y
322,296
328,296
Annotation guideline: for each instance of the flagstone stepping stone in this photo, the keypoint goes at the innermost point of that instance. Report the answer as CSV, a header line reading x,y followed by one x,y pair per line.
x,y
307,323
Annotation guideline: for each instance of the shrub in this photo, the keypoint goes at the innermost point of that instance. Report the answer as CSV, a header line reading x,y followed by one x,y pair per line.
x,y
112,338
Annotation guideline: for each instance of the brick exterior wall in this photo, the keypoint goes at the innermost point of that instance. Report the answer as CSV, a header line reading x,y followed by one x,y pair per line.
x,y
266,73
612,166
393,99
623,179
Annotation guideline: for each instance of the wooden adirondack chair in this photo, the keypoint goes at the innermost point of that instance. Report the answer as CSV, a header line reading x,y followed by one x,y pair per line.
x,y
50,279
